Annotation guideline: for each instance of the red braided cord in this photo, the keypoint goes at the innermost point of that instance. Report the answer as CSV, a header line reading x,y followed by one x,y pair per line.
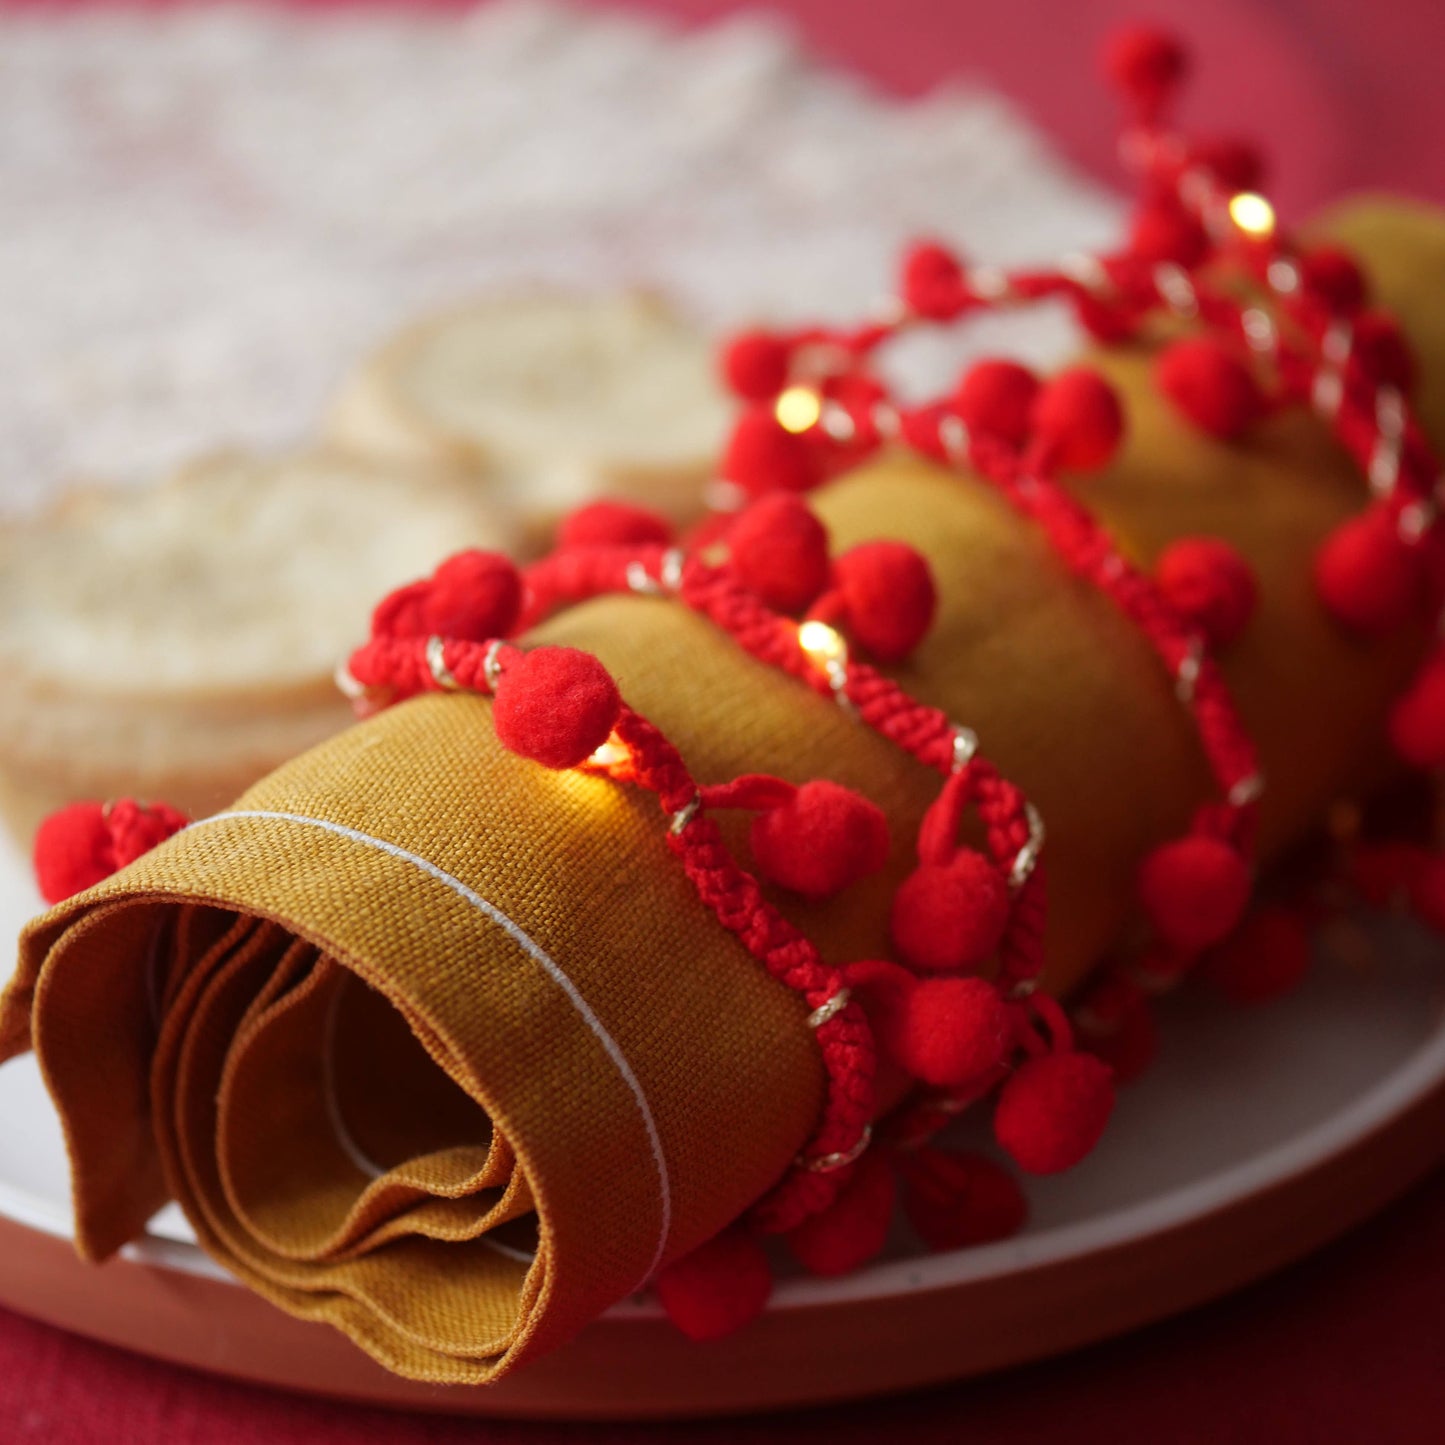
x,y
924,732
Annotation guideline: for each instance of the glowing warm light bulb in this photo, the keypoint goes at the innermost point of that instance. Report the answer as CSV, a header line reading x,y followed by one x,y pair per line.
x,y
822,644
798,408
1252,214
612,752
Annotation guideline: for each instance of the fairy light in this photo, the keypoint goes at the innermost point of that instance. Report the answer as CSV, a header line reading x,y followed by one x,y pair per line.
x,y
798,408
827,651
823,644
610,754
1252,214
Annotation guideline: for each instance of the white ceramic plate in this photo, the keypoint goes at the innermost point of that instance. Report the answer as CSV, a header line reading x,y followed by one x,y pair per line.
x,y
1259,1134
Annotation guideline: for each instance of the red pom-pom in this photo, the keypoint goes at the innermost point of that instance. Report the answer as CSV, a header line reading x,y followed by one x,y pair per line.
x,y
955,1201
997,397
1266,958
950,1031
1334,276
1417,720
755,364
84,843
1427,893
950,916
1210,585
1385,873
1108,324
1077,415
780,551
1210,385
472,597
1053,1110
73,851
932,282
822,841
1383,351
1235,164
718,1288
883,988
762,455
889,596
613,524
1195,890
1116,1024
1165,231
1367,575
555,705
854,1228
1146,66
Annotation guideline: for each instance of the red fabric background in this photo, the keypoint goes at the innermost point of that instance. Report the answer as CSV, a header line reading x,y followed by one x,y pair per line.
x,y
1349,1346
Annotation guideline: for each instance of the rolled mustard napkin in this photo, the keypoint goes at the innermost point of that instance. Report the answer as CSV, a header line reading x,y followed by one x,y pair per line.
x,y
439,1047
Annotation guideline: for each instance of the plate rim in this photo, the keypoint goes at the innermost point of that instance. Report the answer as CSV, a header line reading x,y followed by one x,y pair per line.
x,y
1386,1099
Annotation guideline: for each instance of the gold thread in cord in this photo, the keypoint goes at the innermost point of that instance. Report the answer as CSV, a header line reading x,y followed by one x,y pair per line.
x,y
492,664
1027,858
1188,674
1247,790
1172,282
640,580
953,438
685,815
347,685
827,1163
672,561
829,1010
437,664
965,745
825,648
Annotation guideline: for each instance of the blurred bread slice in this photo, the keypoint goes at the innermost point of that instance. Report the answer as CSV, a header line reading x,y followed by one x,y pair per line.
x,y
177,641
555,399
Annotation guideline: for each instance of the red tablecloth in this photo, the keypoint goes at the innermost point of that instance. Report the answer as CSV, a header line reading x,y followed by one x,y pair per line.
x,y
1347,1347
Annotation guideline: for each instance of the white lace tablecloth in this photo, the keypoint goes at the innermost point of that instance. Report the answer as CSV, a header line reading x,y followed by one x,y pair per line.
x,y
207,215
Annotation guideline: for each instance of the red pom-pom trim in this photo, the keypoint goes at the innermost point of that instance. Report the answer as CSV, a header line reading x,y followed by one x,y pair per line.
x,y
1266,958
755,364
932,283
718,1288
854,1228
1210,584
472,597
1383,351
823,840
888,596
1210,385
955,1200
82,844
612,524
1116,1024
1417,720
997,397
780,552
1146,66
762,455
1366,574
1332,275
1165,231
1195,891
950,1031
1053,1111
555,705
1078,418
950,916
1237,165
